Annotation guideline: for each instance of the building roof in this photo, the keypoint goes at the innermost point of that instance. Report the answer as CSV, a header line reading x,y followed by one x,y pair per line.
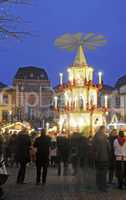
x,y
121,81
30,72
2,85
108,87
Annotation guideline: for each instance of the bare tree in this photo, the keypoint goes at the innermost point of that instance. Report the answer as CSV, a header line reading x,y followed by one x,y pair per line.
x,y
16,1
9,22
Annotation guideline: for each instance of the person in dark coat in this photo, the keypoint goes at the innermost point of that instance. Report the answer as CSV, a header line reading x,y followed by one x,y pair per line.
x,y
63,150
12,147
42,145
7,153
1,152
78,151
90,160
23,144
1,145
101,149
112,137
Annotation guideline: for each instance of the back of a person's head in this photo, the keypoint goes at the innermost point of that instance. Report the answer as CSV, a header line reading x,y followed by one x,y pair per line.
x,y
21,132
1,137
90,137
121,134
6,131
12,136
102,129
43,132
24,130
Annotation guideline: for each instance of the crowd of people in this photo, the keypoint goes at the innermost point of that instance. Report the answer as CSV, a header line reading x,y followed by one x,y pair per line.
x,y
105,154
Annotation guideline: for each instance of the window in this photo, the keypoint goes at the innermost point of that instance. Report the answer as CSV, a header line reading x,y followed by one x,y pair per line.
x,y
5,116
5,99
117,101
30,113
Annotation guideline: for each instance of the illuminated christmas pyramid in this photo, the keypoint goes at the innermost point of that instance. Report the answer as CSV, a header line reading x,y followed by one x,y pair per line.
x,y
76,101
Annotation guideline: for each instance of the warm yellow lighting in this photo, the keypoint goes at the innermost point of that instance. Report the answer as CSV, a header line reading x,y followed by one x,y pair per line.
x,y
70,101
81,122
47,128
55,102
70,75
90,74
100,77
53,129
68,70
61,78
87,74
81,99
66,98
72,122
75,100
106,101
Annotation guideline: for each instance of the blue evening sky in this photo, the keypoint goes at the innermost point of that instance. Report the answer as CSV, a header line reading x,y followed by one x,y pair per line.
x,y
49,19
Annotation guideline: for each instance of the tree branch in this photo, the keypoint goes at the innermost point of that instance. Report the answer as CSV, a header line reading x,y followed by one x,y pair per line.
x,y
8,22
28,2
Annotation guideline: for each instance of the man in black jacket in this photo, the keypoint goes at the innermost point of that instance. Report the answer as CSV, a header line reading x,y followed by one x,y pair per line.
x,y
63,149
102,150
42,145
23,144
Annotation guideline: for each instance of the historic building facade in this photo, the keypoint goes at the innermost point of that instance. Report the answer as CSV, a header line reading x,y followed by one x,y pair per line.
x,y
116,99
33,94
7,103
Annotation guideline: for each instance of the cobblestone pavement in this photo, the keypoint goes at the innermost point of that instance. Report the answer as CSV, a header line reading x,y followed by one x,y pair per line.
x,y
80,187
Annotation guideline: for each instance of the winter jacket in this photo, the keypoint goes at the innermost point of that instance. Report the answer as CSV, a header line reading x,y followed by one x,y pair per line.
x,y
23,144
101,148
42,145
120,150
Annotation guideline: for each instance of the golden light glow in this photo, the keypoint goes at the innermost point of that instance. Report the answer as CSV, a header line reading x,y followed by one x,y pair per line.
x,y
106,101
47,128
90,74
100,77
80,99
55,102
61,78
